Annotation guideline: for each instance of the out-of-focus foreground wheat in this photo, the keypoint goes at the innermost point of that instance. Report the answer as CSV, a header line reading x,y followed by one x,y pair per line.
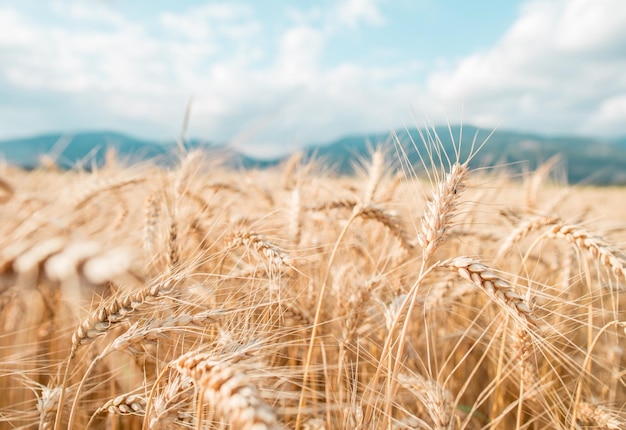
x,y
205,297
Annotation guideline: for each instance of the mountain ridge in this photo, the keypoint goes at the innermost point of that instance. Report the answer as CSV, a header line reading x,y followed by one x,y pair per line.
x,y
591,159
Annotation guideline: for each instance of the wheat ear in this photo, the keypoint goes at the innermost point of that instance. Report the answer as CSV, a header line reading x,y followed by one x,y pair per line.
x,y
152,213
169,405
333,204
47,405
8,191
109,186
228,390
251,240
137,334
112,313
124,404
441,209
608,255
599,418
375,174
522,230
391,222
437,400
103,319
493,285
530,381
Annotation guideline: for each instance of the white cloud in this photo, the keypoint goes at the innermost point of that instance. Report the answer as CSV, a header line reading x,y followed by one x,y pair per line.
x,y
15,32
557,69
93,13
298,56
124,76
97,69
594,27
611,115
211,21
351,12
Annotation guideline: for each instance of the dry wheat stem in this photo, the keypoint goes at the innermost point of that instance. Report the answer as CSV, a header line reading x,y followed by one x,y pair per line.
x,y
318,313
585,364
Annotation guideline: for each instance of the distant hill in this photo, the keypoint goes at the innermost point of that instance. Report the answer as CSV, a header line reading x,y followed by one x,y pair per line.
x,y
82,148
88,149
593,160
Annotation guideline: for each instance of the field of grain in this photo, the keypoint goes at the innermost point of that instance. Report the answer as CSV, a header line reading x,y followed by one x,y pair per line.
x,y
205,297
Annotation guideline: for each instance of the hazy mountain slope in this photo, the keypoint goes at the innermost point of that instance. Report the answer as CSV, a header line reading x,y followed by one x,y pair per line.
x,y
587,159
596,160
83,148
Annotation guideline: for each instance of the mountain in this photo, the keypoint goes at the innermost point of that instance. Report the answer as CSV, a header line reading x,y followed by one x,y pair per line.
x,y
86,149
587,159
81,148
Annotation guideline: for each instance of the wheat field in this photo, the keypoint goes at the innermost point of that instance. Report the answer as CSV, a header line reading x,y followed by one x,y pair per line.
x,y
201,296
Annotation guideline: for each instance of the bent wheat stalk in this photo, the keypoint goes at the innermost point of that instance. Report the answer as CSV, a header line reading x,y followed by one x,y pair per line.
x,y
596,246
275,255
492,284
391,222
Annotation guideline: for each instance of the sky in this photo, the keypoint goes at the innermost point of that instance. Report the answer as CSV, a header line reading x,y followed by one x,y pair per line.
x,y
270,76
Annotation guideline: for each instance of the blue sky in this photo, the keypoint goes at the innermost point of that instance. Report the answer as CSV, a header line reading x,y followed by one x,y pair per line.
x,y
270,76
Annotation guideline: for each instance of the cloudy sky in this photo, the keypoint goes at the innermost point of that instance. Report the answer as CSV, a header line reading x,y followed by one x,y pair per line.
x,y
270,75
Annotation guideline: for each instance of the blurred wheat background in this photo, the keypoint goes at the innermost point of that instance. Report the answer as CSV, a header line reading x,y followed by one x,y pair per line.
x,y
403,297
